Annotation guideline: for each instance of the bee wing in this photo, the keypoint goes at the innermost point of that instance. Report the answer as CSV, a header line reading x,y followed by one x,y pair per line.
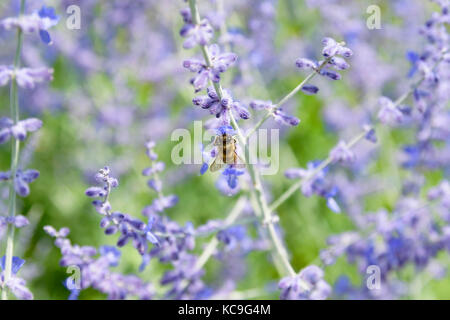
x,y
238,162
217,141
217,164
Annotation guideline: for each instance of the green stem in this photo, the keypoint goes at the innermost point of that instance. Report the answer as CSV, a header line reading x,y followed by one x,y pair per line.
x,y
212,245
15,147
327,161
287,97
289,192
257,191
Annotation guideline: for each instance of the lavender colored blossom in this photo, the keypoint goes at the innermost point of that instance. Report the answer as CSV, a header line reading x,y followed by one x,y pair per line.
x,y
308,284
219,107
310,89
39,21
199,34
15,284
61,233
17,221
220,62
332,48
304,63
18,130
342,153
21,180
25,77
330,74
95,271
314,182
231,175
278,114
389,113
232,236
339,63
370,134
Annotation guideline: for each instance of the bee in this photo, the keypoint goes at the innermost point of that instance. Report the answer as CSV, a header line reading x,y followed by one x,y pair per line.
x,y
227,153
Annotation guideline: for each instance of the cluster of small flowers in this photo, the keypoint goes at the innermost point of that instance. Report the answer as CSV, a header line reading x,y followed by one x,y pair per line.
x,y
161,203
26,78
416,231
307,284
331,52
15,284
174,241
314,180
39,21
220,103
215,63
171,241
17,130
408,235
220,62
315,183
220,106
278,114
95,271
130,228
21,180
195,34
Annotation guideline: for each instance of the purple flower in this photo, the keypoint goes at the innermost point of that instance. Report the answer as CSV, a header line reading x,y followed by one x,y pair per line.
x,y
308,284
155,168
311,181
226,130
333,205
48,19
96,273
283,118
332,48
62,233
278,114
232,236
389,114
339,63
39,21
413,58
331,202
204,168
310,89
220,62
6,74
160,204
148,233
95,192
304,63
330,74
219,107
261,105
231,175
18,221
199,34
21,180
29,77
370,134
15,284
18,130
342,153
149,147
155,184
112,254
